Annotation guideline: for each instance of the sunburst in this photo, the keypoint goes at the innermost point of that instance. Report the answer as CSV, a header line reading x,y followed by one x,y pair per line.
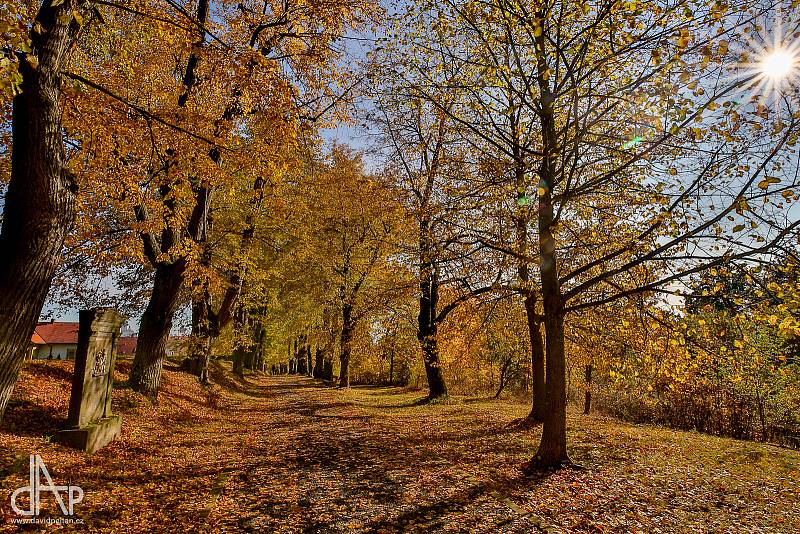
x,y
770,62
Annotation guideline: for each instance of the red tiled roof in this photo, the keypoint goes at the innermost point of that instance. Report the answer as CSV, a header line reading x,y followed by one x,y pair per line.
x,y
126,345
51,333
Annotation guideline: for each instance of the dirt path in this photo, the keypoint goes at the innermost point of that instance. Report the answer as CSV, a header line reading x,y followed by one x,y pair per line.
x,y
326,462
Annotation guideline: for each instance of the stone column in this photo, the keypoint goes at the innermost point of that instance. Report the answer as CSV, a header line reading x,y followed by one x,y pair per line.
x,y
91,424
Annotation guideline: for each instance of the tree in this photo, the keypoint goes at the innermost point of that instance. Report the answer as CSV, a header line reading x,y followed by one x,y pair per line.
x,y
180,142
617,91
156,321
39,205
482,102
356,220
427,156
207,323
269,45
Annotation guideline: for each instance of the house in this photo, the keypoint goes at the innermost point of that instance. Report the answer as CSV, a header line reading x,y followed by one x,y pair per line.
x,y
59,341
54,341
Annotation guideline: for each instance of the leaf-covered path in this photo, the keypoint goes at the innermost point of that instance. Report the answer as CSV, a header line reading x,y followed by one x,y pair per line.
x,y
286,454
338,461
374,459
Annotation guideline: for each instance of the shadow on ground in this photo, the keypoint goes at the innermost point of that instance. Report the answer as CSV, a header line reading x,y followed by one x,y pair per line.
x,y
328,463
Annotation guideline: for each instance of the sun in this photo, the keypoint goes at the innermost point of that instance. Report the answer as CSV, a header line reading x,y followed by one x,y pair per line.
x,y
777,65
769,68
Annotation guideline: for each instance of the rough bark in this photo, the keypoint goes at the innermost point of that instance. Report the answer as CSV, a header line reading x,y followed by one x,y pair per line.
x,y
427,324
156,321
39,207
154,328
552,450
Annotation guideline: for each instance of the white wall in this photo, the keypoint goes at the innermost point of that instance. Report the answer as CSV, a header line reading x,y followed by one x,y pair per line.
x,y
59,352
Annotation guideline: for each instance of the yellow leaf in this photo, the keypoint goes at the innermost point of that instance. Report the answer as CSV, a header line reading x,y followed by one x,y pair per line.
x,y
766,182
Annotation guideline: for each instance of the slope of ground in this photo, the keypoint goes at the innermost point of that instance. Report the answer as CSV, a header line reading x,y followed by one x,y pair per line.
x,y
285,454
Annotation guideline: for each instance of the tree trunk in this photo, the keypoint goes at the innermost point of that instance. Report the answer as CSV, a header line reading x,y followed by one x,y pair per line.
x,y
207,324
553,447
761,414
238,361
503,377
155,327
587,404
239,324
259,346
318,362
324,346
249,358
302,358
156,322
433,372
522,218
326,349
345,344
427,320
391,367
39,205
537,362
200,341
293,360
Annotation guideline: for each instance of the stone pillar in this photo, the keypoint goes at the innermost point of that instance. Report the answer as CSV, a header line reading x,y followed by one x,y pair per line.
x,y
91,424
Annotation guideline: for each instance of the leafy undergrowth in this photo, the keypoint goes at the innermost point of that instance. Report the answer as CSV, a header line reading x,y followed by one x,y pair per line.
x,y
286,454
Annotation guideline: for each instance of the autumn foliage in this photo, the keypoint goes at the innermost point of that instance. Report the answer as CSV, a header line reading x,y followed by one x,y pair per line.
x,y
582,206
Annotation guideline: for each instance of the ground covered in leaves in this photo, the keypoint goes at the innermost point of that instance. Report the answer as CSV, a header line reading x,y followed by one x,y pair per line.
x,y
287,454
